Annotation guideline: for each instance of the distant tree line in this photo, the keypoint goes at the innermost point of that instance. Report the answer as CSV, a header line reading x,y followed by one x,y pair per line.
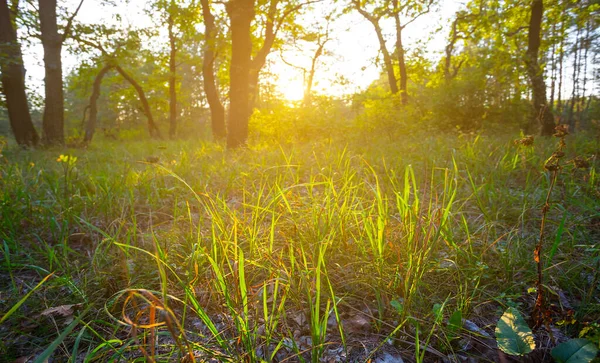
x,y
503,60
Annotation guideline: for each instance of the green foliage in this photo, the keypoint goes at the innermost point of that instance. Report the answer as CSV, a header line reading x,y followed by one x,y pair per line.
x,y
575,350
513,335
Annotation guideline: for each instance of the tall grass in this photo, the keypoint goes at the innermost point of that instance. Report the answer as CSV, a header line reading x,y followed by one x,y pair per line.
x,y
271,254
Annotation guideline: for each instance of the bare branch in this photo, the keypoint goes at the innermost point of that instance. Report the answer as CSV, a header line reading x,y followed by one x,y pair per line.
x,y
70,23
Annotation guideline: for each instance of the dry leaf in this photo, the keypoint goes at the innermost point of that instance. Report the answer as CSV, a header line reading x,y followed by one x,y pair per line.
x,y
357,324
64,311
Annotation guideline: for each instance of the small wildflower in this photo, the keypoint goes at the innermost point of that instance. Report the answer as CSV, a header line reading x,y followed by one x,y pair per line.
x,y
173,162
31,164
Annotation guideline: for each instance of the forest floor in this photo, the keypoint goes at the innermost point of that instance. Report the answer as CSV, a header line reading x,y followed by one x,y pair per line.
x,y
330,251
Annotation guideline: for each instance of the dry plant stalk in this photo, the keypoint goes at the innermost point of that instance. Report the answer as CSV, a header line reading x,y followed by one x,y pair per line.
x,y
540,314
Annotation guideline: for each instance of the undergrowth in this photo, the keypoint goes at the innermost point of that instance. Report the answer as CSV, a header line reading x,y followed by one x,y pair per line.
x,y
322,251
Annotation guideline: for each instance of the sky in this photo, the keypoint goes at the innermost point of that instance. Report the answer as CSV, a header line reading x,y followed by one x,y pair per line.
x,y
352,52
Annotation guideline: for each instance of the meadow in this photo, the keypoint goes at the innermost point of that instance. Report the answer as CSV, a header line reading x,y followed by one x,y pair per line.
x,y
352,248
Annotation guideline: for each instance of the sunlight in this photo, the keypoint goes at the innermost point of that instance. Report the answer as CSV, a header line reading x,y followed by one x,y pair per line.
x,y
291,87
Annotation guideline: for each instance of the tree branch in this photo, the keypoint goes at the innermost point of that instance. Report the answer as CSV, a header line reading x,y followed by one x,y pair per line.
x,y
70,23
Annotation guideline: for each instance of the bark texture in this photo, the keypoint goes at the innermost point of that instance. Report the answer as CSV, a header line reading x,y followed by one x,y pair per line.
x,y
542,114
13,81
217,111
241,13
53,121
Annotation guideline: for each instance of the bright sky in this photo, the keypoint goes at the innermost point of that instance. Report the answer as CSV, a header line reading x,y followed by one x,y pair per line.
x,y
352,52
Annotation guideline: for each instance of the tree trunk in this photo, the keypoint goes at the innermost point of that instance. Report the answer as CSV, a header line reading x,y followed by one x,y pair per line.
x,y
400,55
259,60
571,116
311,73
581,106
217,111
561,57
53,121
387,59
13,81
172,80
152,128
90,127
553,68
241,13
538,87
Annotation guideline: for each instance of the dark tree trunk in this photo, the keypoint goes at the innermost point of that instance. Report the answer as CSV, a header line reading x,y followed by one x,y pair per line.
x,y
259,60
241,13
536,77
172,80
571,115
387,59
581,105
217,111
152,128
53,121
561,57
13,81
400,55
90,128
553,69
311,72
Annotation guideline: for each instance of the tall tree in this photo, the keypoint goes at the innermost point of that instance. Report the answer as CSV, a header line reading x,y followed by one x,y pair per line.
x,y
411,10
13,80
217,111
538,87
90,127
172,73
241,13
275,17
52,40
374,18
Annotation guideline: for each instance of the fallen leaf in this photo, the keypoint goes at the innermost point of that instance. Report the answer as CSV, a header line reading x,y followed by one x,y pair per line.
x,y
64,311
356,324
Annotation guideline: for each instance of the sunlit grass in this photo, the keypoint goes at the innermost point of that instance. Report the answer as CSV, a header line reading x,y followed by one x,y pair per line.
x,y
298,251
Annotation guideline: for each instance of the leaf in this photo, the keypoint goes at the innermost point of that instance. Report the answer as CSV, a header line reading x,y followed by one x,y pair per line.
x,y
455,322
575,350
62,310
513,335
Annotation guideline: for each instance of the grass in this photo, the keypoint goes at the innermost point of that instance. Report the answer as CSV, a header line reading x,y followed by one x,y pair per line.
x,y
344,250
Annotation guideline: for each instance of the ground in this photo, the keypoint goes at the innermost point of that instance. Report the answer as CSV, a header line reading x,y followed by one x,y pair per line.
x,y
403,249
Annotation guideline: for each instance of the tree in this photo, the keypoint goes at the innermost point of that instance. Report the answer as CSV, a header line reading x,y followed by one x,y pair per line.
x,y
241,13
13,80
90,128
538,87
374,18
217,111
52,40
172,73
411,10
120,51
275,18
